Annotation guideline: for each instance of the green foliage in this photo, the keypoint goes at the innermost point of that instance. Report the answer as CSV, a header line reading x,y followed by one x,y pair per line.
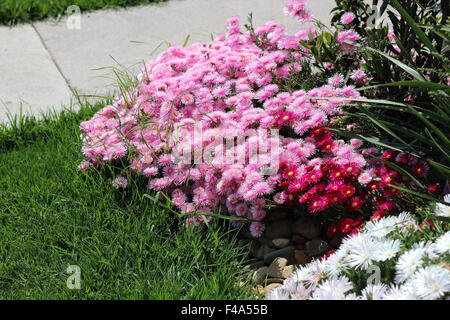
x,y
53,215
19,11
413,72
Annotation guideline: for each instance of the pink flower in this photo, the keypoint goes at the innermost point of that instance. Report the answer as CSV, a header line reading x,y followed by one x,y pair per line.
x,y
120,182
257,229
347,17
336,80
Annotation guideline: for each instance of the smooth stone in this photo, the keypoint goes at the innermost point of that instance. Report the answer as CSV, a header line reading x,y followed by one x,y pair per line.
x,y
316,247
259,275
274,280
275,269
281,243
287,253
254,265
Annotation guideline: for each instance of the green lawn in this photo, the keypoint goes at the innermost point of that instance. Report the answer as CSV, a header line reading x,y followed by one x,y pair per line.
x,y
52,215
18,11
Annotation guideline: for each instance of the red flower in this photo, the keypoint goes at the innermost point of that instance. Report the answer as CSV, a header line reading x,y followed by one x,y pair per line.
x,y
433,187
387,178
358,221
373,185
325,144
289,172
387,206
351,170
335,185
355,204
377,215
427,223
297,185
419,168
336,174
318,203
314,176
348,191
284,183
332,230
345,225
388,155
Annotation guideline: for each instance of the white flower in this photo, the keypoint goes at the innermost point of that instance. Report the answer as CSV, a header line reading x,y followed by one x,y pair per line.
x,y
387,249
296,290
301,293
311,274
362,253
336,262
407,264
374,291
353,296
333,289
428,247
442,243
278,294
381,228
406,222
431,282
403,292
443,210
304,273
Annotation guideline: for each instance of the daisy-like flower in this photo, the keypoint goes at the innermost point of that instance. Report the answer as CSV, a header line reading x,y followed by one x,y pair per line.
x,y
443,210
336,263
431,282
257,229
428,248
120,182
278,294
312,274
406,222
336,80
333,289
387,249
442,243
297,290
362,254
396,292
407,264
374,291
381,228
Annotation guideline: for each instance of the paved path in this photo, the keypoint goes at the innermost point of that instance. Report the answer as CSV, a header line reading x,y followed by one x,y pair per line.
x,y
42,64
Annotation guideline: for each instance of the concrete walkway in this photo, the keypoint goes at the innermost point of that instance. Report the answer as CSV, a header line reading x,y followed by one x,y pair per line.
x,y
43,64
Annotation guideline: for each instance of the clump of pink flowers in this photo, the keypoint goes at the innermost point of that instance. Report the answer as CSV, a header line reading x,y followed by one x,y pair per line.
x,y
231,86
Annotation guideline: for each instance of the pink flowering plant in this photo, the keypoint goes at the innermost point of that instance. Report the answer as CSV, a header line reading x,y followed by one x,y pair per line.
x,y
223,127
